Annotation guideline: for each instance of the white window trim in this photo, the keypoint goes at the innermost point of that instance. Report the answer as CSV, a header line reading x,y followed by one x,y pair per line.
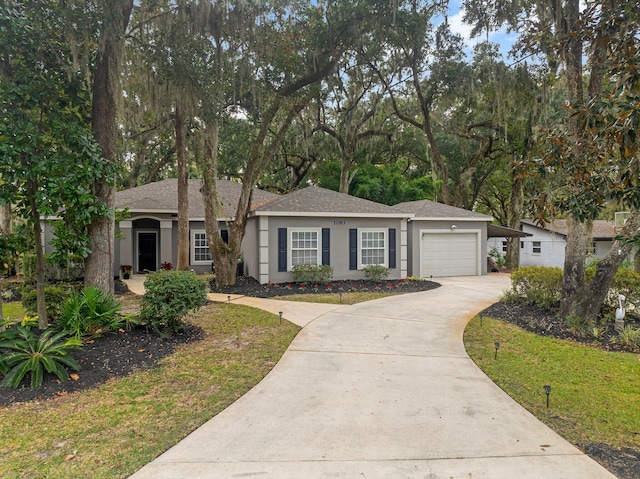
x,y
193,247
290,232
385,232
533,247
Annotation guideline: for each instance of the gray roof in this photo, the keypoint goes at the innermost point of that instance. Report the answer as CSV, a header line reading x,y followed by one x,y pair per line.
x,y
162,197
431,210
318,201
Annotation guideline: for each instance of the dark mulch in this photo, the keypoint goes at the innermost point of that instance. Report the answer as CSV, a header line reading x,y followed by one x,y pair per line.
x,y
112,355
545,323
624,463
250,287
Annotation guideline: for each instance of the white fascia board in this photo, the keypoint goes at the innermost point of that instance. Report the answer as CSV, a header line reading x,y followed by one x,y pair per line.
x,y
333,214
453,218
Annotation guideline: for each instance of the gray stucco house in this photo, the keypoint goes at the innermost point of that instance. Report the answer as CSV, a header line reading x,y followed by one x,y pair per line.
x,y
310,226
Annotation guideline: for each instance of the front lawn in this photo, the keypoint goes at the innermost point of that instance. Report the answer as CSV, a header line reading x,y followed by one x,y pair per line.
x,y
595,394
113,430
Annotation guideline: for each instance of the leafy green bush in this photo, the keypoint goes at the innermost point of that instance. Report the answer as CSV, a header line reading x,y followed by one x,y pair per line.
x,y
626,282
54,296
168,297
537,285
88,313
376,272
629,337
312,273
29,352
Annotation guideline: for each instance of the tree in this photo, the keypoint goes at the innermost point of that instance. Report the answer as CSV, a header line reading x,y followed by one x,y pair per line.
x,y
590,157
48,157
114,16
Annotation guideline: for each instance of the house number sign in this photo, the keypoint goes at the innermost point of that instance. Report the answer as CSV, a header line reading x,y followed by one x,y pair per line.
x,y
339,222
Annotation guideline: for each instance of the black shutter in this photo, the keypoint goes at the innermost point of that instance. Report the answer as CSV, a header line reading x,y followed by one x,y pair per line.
x,y
325,245
224,234
392,248
282,249
353,248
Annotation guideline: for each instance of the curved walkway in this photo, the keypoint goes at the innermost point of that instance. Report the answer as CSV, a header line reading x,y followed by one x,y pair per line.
x,y
382,389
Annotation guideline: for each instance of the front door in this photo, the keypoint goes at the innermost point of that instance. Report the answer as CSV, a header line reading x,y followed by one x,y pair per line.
x,y
147,251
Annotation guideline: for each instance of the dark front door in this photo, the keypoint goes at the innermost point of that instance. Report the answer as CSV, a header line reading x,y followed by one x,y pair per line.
x,y
146,252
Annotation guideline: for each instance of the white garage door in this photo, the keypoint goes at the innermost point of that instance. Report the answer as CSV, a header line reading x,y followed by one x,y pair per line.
x,y
449,254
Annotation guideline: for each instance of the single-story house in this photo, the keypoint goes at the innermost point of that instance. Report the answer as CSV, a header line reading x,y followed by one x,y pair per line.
x,y
309,226
545,245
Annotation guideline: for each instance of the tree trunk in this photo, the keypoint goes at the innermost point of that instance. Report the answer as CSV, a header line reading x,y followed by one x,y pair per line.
x,y
512,258
606,271
40,279
106,88
183,191
573,283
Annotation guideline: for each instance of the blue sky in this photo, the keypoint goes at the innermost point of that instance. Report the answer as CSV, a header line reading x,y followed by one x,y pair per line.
x,y
458,26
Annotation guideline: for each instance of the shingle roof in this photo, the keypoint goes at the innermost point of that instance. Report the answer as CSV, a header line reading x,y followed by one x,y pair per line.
x,y
426,209
162,197
602,230
315,200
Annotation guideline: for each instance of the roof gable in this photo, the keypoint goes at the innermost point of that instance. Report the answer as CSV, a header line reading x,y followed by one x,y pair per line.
x,y
432,210
317,201
162,197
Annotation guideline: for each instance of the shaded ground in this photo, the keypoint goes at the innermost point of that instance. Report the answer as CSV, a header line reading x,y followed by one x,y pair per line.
x,y
624,463
250,287
112,355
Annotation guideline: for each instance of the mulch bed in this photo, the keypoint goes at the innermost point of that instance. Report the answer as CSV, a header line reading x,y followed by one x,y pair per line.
x,y
250,287
624,463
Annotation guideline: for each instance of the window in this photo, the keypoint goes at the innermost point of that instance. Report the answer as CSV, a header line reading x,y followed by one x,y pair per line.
x,y
373,247
521,244
591,250
200,247
305,246
504,246
537,247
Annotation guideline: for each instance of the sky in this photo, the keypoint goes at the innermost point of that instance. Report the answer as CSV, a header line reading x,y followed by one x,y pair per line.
x,y
458,26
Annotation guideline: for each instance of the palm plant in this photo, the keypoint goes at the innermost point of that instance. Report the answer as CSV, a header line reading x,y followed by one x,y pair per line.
x,y
27,352
88,313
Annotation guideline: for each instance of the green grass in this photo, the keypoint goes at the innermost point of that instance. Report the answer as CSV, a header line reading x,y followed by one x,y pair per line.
x,y
334,298
13,311
113,430
594,396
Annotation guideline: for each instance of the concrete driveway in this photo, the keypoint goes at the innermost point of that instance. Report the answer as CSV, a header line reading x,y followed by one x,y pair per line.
x,y
382,389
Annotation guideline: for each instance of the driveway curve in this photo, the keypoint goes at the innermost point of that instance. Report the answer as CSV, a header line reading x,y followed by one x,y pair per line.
x,y
382,389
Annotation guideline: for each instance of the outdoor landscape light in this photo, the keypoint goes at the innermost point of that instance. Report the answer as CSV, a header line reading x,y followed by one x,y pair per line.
x,y
280,314
547,391
229,299
340,293
497,346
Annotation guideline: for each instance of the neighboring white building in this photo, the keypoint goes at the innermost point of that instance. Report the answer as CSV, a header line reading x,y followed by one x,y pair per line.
x,y
546,245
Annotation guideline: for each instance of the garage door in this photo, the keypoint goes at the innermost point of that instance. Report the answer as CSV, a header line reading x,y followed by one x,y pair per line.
x,y
449,254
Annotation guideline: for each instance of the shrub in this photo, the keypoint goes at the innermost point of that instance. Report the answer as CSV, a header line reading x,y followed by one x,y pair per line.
x,y
29,352
88,313
54,297
626,282
166,266
629,337
537,285
376,272
168,297
312,273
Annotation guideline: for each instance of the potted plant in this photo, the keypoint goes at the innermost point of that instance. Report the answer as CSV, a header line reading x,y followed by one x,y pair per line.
x,y
126,270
